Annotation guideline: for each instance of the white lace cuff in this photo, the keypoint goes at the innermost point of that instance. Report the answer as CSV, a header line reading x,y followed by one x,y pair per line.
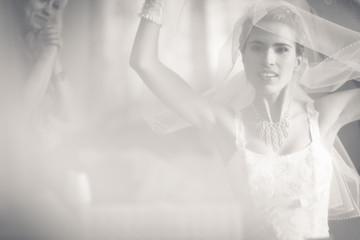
x,y
152,10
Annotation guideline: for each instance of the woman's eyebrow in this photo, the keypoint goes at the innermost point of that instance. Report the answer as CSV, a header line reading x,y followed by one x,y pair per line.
x,y
257,42
282,44
275,44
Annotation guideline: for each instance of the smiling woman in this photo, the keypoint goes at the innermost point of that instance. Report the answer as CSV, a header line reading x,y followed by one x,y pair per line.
x,y
270,59
37,14
279,145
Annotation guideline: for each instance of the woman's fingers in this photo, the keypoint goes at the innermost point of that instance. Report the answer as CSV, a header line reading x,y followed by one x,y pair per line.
x,y
51,36
52,29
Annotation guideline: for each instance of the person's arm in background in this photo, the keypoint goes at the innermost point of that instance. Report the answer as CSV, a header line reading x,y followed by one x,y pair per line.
x,y
63,92
47,44
48,77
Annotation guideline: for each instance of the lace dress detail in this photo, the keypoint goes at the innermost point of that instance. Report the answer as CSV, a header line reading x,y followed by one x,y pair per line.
x,y
290,193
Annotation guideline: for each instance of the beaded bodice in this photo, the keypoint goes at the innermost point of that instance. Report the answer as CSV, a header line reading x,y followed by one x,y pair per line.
x,y
290,193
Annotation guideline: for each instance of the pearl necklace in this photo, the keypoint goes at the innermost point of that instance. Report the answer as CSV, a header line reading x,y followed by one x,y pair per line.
x,y
274,133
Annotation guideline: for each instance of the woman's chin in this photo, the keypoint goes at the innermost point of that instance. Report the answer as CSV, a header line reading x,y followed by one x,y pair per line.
x,y
269,89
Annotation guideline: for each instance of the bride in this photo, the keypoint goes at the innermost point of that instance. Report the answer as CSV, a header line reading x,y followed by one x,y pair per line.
x,y
281,147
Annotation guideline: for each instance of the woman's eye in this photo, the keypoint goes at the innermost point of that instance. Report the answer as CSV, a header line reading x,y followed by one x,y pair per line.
x,y
282,50
255,48
56,6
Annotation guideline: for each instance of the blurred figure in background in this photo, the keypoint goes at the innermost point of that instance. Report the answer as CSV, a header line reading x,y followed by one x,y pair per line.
x,y
38,38
36,101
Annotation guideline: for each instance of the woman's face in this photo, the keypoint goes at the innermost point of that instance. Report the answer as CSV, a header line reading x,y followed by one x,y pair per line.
x,y
40,13
270,58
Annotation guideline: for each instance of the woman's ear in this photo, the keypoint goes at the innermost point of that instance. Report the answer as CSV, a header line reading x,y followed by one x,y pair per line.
x,y
299,60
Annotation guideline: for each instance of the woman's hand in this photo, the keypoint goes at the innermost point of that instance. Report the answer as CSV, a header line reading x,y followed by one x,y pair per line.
x,y
48,39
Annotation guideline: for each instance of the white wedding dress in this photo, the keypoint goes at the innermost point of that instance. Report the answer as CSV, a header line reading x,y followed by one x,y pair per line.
x,y
289,193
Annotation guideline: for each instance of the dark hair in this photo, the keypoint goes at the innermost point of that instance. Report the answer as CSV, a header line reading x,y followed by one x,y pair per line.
x,y
281,15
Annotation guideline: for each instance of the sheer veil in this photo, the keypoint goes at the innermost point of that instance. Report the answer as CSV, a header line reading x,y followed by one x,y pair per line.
x,y
331,58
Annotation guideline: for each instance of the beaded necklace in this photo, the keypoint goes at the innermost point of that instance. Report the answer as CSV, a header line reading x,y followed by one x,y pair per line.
x,y
274,133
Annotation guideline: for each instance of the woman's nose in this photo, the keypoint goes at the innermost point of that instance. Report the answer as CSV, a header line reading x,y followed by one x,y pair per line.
x,y
270,57
47,10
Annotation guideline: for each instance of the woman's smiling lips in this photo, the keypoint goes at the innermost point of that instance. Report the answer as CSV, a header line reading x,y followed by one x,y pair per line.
x,y
268,74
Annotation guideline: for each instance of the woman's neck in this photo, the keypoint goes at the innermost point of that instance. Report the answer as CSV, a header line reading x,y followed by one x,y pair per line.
x,y
272,107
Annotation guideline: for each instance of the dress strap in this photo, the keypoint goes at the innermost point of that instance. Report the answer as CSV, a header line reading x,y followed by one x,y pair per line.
x,y
313,117
239,130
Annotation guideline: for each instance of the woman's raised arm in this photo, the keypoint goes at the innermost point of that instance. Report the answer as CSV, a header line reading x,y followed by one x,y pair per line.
x,y
169,87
